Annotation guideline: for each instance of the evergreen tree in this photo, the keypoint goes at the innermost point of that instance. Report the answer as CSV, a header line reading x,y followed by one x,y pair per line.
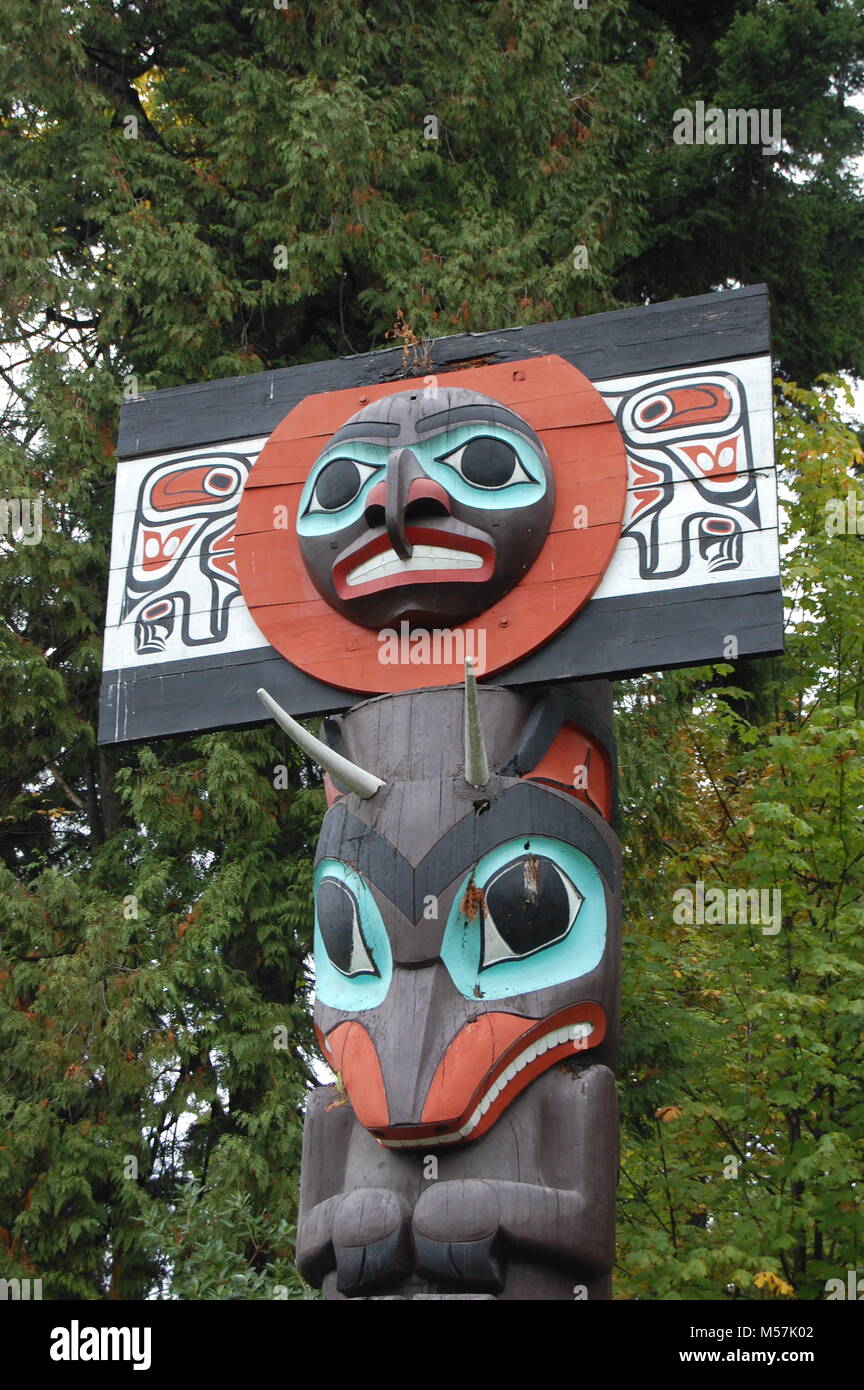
x,y
198,189
741,1079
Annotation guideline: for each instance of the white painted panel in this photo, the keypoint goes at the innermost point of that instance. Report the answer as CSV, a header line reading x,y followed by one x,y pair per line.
x,y
676,536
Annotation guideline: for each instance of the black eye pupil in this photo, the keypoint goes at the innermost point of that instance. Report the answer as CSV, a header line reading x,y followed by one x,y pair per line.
x,y
337,912
338,483
528,904
488,462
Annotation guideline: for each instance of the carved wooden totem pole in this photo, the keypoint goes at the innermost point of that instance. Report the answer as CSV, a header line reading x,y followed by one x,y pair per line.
x,y
466,945
449,569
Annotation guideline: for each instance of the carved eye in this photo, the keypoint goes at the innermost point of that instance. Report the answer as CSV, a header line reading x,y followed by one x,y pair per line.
x,y
653,411
339,924
220,483
528,906
486,462
337,484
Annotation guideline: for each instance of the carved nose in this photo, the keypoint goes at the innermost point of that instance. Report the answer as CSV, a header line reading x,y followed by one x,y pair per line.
x,y
405,493
401,465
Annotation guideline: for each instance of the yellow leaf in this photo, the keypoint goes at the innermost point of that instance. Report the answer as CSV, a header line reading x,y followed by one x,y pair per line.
x,y
773,1283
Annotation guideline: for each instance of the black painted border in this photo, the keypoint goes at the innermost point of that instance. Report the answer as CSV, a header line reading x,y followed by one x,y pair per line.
x,y
515,812
612,638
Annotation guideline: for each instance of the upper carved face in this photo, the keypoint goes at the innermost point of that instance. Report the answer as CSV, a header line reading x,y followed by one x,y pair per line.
x,y
425,508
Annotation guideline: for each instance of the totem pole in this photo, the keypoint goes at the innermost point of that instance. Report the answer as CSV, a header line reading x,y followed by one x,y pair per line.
x,y
467,919
449,568
467,910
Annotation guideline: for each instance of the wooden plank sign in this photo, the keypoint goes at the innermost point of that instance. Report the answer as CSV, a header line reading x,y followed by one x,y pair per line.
x,y
590,498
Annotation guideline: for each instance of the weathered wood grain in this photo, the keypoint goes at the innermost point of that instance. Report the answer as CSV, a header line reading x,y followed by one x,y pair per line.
x,y
680,333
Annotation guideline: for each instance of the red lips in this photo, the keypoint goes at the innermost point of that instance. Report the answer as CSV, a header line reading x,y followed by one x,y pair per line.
x,y
495,1052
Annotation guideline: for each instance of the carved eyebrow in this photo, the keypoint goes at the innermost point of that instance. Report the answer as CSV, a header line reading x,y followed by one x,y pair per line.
x,y
522,806
523,809
366,429
477,414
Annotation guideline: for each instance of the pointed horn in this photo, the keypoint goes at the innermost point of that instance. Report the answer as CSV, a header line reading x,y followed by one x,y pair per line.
x,y
346,773
476,762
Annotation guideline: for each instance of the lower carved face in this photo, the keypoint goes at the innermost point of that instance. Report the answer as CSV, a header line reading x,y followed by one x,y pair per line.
x,y
448,977
425,508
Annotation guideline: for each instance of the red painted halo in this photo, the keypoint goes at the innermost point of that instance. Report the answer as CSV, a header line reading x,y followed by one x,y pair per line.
x,y
588,458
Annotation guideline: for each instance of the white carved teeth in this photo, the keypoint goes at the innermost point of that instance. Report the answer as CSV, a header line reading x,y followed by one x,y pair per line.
x,y
570,1032
423,557
430,1140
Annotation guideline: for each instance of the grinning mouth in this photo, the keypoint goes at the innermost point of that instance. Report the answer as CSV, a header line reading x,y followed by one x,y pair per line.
x,y
525,1063
423,557
449,552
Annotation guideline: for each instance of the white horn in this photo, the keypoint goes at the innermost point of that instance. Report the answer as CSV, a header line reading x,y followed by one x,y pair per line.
x,y
346,773
476,763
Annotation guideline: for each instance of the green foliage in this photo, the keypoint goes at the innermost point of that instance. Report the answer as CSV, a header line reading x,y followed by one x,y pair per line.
x,y
794,221
155,906
305,128
741,1079
224,1251
144,1002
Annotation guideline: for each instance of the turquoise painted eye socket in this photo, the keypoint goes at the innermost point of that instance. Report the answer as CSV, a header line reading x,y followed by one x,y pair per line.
x,y
532,915
337,484
486,462
339,923
335,492
497,468
353,961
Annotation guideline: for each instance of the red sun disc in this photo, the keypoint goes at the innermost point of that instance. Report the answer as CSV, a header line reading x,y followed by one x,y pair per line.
x,y
588,458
